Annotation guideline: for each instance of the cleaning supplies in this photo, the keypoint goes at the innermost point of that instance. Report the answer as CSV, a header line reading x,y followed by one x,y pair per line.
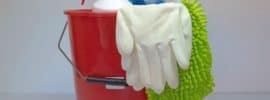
x,y
151,40
196,82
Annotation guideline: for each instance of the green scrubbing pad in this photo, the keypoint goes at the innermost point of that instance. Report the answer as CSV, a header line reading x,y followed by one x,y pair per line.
x,y
196,82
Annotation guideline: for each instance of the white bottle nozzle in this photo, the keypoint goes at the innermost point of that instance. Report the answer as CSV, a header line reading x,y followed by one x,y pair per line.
x,y
109,5
82,2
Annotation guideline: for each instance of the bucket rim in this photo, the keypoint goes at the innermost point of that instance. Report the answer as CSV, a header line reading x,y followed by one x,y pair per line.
x,y
88,12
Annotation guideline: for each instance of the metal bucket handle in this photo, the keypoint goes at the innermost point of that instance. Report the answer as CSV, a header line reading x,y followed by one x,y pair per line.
x,y
106,81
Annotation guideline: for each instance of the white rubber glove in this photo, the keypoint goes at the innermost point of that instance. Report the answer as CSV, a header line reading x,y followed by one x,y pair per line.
x,y
151,40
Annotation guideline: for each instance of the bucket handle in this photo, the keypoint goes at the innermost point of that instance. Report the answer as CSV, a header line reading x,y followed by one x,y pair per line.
x,y
106,81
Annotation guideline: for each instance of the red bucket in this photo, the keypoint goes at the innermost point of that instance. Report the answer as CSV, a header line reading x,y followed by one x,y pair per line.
x,y
95,55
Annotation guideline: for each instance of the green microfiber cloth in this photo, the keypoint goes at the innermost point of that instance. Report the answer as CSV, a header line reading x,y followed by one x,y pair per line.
x,y
196,82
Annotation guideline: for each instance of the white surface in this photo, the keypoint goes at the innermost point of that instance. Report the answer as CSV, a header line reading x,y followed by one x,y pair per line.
x,y
30,61
223,96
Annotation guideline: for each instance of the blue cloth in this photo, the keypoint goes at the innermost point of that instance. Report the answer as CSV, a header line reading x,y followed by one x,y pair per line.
x,y
144,2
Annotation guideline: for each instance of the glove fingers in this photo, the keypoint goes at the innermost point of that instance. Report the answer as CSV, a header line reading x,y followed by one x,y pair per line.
x,y
169,65
137,84
144,70
186,26
138,87
133,79
157,77
179,51
133,76
126,62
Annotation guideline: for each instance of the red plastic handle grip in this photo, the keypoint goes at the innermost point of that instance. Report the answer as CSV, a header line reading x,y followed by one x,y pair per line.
x,y
82,2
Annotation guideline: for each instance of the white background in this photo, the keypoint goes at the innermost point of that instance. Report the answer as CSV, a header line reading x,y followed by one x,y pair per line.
x,y
31,63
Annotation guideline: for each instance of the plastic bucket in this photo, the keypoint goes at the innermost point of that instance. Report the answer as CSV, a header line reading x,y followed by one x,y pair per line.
x,y
95,54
